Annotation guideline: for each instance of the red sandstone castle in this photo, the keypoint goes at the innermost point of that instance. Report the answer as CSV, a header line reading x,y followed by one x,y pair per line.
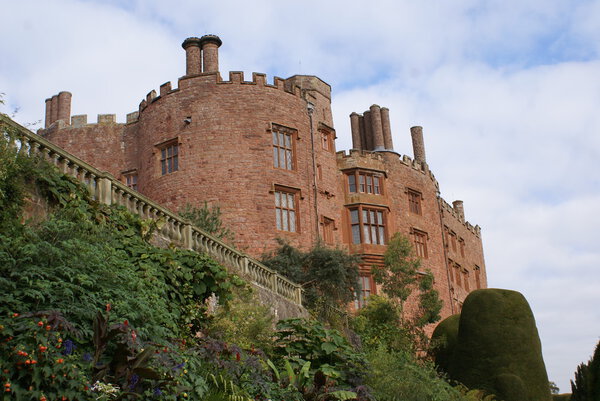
x,y
265,153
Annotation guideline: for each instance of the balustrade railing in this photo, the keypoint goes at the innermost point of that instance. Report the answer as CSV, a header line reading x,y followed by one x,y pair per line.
x,y
106,189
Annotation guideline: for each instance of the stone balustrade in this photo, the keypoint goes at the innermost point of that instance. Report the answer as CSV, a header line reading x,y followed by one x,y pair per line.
x,y
106,189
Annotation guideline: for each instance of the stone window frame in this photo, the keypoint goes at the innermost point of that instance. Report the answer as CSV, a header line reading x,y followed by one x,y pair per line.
x,y
329,227
364,181
376,217
362,297
168,162
326,137
419,240
282,210
415,201
477,270
130,178
285,151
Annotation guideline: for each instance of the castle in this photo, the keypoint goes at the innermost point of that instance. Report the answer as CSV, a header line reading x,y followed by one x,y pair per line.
x,y
265,153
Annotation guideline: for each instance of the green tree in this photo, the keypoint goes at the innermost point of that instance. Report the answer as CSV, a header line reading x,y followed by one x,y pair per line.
x,y
586,386
208,219
327,274
400,276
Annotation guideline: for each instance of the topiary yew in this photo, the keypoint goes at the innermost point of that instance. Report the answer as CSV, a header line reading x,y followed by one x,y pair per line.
x,y
444,340
498,348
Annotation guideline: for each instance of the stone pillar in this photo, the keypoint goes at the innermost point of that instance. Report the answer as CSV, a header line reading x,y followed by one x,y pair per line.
x,y
387,130
64,107
355,126
193,56
368,131
459,209
48,112
376,128
418,144
210,53
54,108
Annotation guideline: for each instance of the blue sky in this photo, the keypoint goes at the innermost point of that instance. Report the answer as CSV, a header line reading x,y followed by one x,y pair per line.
x,y
508,93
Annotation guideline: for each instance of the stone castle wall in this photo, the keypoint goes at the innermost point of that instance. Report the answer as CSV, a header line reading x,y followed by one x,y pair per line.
x,y
223,130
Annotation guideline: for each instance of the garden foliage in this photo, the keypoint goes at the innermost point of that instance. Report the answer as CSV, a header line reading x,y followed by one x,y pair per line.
x,y
327,275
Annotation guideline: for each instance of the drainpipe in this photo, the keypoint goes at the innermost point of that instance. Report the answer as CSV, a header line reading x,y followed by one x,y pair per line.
x,y
311,108
445,255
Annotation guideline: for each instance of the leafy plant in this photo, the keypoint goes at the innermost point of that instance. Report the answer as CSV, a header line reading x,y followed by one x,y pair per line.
x,y
325,273
301,341
399,277
208,219
38,358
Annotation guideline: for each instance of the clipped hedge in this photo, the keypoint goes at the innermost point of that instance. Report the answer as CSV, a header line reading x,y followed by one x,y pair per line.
x,y
498,348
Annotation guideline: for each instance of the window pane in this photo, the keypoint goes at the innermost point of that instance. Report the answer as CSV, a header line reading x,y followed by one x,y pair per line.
x,y
281,139
281,157
367,239
372,216
288,154
352,183
374,234
381,235
278,218
369,184
356,234
292,221
354,216
274,137
290,201
169,165
376,185
163,153
361,180
275,158
175,149
380,218
277,199
288,141
175,163
366,283
284,220
365,217
284,200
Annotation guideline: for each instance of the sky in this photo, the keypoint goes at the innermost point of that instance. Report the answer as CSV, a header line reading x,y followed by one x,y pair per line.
x,y
507,92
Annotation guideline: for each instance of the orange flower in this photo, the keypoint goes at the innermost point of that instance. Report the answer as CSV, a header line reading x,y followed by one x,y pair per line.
x,y
28,362
33,361
42,348
15,315
60,360
43,398
48,327
40,323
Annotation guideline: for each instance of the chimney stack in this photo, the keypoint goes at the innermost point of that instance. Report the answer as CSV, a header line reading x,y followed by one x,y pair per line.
x,y
355,126
193,56
418,144
377,128
459,209
387,130
210,52
64,107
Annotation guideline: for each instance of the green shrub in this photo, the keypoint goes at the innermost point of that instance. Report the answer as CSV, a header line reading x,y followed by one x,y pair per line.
x,y
444,340
326,274
587,379
498,347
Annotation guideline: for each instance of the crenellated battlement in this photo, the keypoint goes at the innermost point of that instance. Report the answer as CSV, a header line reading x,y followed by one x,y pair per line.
x,y
456,210
421,167
259,80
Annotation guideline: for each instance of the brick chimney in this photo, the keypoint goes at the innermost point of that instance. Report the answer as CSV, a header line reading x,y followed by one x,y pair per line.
x,y
418,144
210,52
193,56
